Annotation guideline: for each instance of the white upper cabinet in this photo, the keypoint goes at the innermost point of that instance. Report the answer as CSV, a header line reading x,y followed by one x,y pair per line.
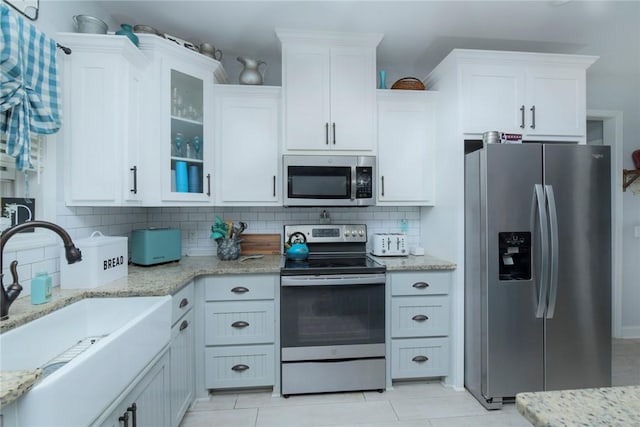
x,y
102,97
179,142
247,145
406,147
329,82
537,95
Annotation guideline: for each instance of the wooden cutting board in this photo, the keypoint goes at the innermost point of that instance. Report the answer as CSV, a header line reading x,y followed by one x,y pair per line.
x,y
263,244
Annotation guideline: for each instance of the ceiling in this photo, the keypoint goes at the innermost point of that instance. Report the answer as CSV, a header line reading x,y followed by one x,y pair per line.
x,y
417,34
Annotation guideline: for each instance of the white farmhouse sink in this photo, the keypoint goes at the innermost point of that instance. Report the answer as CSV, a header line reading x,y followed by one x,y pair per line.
x,y
127,334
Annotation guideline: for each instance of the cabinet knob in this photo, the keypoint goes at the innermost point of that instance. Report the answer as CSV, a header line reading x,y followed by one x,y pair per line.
x,y
239,368
125,419
208,184
240,324
522,117
421,285
184,303
239,290
420,359
326,133
533,116
134,169
419,318
334,133
134,418
184,325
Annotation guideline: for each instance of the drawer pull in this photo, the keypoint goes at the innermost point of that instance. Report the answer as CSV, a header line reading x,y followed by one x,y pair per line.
x,y
420,359
420,318
184,303
421,285
184,325
239,368
240,324
239,290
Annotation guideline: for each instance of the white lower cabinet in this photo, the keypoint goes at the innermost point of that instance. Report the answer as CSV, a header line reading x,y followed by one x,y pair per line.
x,y
182,365
145,405
420,324
239,331
239,366
419,358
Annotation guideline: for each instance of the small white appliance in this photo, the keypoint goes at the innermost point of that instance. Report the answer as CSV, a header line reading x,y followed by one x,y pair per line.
x,y
389,244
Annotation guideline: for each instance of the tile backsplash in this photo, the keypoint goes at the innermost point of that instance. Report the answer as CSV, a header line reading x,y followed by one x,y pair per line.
x,y
195,223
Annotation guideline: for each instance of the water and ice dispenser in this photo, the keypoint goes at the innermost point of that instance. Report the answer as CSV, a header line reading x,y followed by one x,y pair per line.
x,y
514,255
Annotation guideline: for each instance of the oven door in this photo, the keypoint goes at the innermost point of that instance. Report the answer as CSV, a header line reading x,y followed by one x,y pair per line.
x,y
332,317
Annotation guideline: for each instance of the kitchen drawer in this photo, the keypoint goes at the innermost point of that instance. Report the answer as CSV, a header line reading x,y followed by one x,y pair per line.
x,y
182,302
420,283
240,287
419,358
419,316
243,366
239,322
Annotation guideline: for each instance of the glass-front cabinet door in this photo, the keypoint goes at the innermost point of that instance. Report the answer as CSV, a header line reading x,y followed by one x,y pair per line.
x,y
186,171
179,135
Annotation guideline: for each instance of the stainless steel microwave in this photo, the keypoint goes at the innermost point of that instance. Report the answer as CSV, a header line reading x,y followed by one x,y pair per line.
x,y
329,180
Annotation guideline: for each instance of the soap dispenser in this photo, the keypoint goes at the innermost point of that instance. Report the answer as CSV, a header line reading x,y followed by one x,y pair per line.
x,y
41,288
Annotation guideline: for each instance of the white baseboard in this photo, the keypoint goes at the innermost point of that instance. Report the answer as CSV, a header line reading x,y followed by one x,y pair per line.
x,y
630,332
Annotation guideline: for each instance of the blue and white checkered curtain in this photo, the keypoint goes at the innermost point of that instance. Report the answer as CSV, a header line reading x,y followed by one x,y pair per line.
x,y
29,93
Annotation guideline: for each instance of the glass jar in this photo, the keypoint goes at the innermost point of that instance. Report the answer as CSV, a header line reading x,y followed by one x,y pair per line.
x,y
177,145
196,147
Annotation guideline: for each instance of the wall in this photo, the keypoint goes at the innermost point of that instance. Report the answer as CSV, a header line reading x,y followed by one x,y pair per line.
x,y
622,93
195,223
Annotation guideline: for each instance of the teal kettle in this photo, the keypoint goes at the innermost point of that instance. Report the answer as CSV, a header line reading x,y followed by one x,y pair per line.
x,y
296,247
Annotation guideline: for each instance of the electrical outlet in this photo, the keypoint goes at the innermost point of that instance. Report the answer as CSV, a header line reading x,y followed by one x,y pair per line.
x,y
191,235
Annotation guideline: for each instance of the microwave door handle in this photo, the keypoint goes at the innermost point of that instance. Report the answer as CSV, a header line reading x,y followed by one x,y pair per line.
x,y
354,178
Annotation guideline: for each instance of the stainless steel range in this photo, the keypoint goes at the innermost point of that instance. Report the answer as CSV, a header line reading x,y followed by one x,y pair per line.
x,y
332,313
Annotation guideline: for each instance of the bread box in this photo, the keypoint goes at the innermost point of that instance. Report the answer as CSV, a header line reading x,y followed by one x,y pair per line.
x,y
104,259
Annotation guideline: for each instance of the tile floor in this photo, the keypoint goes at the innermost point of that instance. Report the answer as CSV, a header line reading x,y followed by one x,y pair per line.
x,y
407,405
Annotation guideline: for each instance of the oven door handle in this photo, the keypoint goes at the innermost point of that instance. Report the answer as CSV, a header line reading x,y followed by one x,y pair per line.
x,y
334,280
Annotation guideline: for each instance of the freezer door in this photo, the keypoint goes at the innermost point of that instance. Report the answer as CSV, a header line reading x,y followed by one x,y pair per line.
x,y
578,336
513,336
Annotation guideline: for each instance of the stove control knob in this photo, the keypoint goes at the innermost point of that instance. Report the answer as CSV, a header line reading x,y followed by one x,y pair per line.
x,y
346,233
353,233
361,232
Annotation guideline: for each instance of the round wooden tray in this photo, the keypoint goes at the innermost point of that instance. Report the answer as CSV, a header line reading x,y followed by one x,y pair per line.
x,y
409,83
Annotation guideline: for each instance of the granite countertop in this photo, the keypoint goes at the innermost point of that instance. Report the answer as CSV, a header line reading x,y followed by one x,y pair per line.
x,y
165,279
593,407
415,263
14,384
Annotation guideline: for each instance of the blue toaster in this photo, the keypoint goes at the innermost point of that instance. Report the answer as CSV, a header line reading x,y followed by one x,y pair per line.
x,y
150,246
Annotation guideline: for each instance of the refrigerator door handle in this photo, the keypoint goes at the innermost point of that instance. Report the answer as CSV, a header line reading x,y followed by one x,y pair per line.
x,y
553,226
538,201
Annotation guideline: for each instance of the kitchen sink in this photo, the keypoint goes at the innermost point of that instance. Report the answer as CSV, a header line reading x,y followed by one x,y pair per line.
x,y
89,351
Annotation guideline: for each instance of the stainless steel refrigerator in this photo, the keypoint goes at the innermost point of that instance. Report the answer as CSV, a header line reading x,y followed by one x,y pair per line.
x,y
537,269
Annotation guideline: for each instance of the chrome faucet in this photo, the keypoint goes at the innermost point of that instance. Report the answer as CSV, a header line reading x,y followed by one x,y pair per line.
x,y
9,295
